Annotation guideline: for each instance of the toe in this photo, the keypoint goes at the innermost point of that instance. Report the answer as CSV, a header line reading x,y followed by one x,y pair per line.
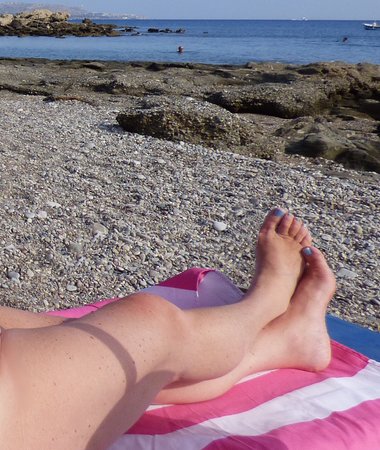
x,y
272,219
307,240
317,266
302,234
285,224
314,257
295,228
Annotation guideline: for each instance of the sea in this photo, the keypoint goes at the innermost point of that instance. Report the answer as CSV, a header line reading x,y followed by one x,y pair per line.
x,y
231,42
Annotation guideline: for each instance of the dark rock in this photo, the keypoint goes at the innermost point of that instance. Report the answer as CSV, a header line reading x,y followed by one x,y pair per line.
x,y
359,160
165,30
309,70
16,24
370,107
95,65
322,141
320,145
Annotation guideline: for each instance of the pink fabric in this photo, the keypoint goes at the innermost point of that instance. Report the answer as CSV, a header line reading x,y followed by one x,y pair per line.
x,y
286,409
357,428
189,280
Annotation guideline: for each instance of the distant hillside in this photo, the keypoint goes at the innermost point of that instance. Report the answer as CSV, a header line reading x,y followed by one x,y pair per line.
x,y
74,11
17,7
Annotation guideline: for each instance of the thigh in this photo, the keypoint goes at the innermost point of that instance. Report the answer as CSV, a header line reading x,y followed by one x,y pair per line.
x,y
77,385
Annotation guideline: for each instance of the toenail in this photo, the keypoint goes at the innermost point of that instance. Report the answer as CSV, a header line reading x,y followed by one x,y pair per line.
x,y
279,212
307,251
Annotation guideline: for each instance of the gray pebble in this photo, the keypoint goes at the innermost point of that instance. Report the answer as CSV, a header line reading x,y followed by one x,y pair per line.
x,y
30,215
220,226
53,204
154,274
76,248
345,273
13,276
359,230
71,288
42,215
99,229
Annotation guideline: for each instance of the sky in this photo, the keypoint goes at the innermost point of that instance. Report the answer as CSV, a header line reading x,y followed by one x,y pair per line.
x,y
234,9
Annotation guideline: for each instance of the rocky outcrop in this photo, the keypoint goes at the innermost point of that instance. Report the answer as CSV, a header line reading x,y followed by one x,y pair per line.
x,y
187,119
43,22
265,110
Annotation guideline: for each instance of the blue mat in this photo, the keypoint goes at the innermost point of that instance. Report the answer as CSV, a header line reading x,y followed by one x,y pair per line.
x,y
360,339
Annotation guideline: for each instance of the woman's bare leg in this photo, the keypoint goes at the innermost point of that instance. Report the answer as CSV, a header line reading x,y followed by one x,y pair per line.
x,y
297,339
16,318
83,383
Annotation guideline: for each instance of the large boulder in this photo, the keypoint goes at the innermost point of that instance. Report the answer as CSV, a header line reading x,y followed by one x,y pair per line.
x,y
186,119
321,144
322,140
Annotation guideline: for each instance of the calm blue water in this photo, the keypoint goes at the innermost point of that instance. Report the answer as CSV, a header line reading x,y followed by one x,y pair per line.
x,y
216,42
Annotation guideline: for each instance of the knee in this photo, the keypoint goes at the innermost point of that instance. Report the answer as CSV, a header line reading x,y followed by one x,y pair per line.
x,y
165,316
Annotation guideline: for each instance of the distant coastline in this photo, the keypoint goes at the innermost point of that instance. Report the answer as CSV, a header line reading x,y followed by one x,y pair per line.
x,y
76,12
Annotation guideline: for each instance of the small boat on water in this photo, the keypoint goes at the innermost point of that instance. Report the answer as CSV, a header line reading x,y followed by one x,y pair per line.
x,y
372,26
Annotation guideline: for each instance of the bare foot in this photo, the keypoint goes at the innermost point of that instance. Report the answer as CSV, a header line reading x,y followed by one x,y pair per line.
x,y
299,337
279,264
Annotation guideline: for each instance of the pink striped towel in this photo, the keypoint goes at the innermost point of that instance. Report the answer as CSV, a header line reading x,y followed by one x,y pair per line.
x,y
284,409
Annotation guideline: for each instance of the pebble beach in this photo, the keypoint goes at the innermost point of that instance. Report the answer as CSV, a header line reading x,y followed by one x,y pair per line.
x,y
90,211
